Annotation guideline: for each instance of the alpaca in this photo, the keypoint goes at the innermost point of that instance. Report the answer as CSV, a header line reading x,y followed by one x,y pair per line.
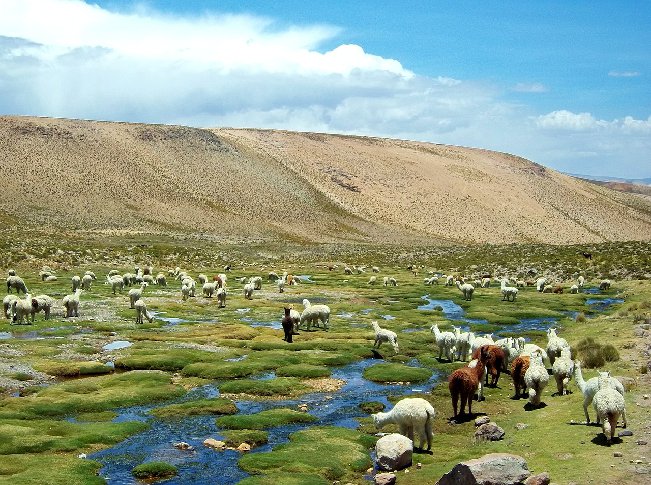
x,y
536,378
272,276
547,289
494,361
141,311
590,387
563,368
445,341
190,283
411,414
519,368
6,303
161,280
16,282
202,278
574,289
509,293
221,297
540,283
256,281
136,293
281,285
555,345
71,304
248,291
375,269
21,309
558,289
372,280
288,325
449,280
392,281
42,303
348,271
604,285
86,282
476,342
581,281
76,283
462,343
116,282
485,282
91,274
467,289
313,314
464,382
608,405
384,335
208,289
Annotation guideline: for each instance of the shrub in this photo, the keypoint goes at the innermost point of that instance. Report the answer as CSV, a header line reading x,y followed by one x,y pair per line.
x,y
594,355
580,318
371,407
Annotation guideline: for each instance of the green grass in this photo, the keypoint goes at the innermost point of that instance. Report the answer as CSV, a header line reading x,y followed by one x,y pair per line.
x,y
154,470
74,369
264,419
254,437
193,408
396,373
303,370
279,386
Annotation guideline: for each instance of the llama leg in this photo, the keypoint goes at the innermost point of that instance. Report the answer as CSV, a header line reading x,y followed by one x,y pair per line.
x,y
623,418
586,403
469,401
429,432
455,402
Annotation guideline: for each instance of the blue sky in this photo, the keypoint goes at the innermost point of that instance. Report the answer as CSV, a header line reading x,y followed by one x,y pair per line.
x,y
565,84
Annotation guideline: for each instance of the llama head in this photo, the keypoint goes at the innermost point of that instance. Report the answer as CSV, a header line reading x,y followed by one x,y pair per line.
x,y
379,419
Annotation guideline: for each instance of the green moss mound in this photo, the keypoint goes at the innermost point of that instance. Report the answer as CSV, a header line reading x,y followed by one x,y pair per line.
x,y
594,355
330,452
154,470
280,386
371,407
264,419
74,369
303,370
396,373
286,479
194,408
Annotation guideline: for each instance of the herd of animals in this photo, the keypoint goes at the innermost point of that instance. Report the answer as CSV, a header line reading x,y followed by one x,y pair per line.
x,y
487,358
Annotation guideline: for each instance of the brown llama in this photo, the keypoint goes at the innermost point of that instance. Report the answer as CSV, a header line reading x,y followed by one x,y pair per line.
x,y
557,289
494,363
217,279
518,368
464,382
288,325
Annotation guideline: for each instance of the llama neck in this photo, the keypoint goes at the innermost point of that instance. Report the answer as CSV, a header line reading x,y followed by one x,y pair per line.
x,y
383,418
578,377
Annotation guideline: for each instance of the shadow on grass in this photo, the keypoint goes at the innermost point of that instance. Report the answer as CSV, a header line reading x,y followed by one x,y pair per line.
x,y
465,418
601,440
533,407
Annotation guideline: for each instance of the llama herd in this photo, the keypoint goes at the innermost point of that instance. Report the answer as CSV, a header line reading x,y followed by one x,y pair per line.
x,y
487,358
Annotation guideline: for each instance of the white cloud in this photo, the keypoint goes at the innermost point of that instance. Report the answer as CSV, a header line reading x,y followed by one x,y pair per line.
x,y
67,58
530,88
623,74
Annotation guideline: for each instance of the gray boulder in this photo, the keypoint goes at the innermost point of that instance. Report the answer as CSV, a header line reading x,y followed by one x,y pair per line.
x,y
491,469
385,479
393,452
489,432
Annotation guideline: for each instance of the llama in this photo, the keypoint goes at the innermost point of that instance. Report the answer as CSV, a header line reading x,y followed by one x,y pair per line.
x,y
411,414
71,303
609,405
313,314
494,361
509,293
384,335
288,326
467,289
519,368
135,294
221,297
590,387
141,311
555,345
446,342
462,343
464,382
563,368
536,378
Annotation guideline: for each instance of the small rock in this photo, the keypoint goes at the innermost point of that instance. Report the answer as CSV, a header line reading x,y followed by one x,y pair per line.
x,y
489,432
521,426
645,396
618,454
182,445
385,479
244,447
482,420
639,462
419,465
626,432
540,479
369,471
302,408
216,444
82,456
641,442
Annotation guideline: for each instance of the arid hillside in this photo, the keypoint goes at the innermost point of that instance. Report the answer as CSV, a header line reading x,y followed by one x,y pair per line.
x,y
245,185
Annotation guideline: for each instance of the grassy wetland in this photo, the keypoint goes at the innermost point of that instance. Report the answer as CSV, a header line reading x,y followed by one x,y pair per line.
x,y
98,397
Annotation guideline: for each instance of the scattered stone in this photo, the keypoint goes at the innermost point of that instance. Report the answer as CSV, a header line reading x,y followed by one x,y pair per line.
x,y
521,426
303,408
385,479
645,396
540,479
406,470
502,468
419,465
369,471
639,462
641,442
626,432
216,444
244,447
489,432
618,454
393,452
482,420
182,445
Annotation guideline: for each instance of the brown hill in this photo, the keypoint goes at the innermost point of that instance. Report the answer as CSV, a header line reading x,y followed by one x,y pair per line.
x,y
234,185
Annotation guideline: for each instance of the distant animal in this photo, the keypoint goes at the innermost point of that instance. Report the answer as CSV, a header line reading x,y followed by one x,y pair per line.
x,y
464,383
288,325
411,414
384,335
586,255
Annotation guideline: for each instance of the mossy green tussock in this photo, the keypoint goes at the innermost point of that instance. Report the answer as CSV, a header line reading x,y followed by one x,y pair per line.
x,y
154,470
195,408
254,437
264,419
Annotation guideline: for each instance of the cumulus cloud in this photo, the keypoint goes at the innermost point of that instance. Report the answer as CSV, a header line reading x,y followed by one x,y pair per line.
x,y
68,58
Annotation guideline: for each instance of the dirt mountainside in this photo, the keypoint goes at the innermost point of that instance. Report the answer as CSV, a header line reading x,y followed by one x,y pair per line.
x,y
255,185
